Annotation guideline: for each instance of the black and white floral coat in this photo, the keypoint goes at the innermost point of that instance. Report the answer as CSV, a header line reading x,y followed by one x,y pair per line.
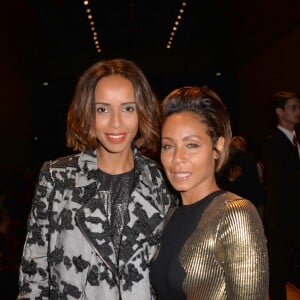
x,y
68,253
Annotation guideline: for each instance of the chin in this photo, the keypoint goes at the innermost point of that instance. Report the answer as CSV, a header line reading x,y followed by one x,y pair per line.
x,y
179,187
115,149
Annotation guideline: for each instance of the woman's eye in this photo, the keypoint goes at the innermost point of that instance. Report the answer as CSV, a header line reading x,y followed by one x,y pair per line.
x,y
192,145
165,147
101,109
129,108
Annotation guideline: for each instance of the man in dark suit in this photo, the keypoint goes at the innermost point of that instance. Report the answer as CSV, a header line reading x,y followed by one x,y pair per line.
x,y
282,166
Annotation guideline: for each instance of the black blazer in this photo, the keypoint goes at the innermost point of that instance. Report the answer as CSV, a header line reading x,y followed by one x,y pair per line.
x,y
282,166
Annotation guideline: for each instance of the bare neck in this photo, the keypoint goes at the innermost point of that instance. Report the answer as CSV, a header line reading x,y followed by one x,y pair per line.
x,y
115,163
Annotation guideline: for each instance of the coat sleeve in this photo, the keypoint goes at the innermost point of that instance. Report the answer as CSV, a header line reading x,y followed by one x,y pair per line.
x,y
245,252
33,274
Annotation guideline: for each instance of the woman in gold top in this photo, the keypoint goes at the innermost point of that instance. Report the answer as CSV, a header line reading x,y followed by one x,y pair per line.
x,y
213,246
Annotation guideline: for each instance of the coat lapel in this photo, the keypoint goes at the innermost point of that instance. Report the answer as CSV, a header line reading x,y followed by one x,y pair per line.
x,y
92,217
93,223
145,219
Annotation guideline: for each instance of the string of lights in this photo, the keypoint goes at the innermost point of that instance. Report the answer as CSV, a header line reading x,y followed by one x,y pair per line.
x,y
174,28
176,25
92,25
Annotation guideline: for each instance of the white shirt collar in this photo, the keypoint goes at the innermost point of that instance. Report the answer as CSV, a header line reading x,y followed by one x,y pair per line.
x,y
287,132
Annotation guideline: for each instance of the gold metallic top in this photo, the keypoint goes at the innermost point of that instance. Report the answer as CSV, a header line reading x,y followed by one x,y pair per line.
x,y
226,256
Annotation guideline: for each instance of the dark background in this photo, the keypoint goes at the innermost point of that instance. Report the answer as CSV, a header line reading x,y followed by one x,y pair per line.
x,y
255,45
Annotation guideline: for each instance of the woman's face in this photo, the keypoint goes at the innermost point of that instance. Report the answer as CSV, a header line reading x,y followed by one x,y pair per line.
x,y
116,120
187,155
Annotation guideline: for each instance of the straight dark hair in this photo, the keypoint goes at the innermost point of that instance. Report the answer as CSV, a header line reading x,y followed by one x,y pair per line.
x,y
81,115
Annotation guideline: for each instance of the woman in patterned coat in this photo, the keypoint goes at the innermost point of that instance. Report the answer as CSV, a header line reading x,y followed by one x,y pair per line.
x,y
96,216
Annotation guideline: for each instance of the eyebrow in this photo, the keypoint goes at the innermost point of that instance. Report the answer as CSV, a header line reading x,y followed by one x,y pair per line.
x,y
108,104
189,137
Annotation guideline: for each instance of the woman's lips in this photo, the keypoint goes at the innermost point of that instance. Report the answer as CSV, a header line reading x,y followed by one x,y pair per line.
x,y
116,138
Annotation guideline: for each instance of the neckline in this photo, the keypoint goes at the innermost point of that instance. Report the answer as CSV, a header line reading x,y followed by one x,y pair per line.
x,y
101,172
203,200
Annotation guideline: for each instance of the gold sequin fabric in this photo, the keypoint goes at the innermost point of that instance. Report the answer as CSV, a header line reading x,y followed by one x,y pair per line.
x,y
226,256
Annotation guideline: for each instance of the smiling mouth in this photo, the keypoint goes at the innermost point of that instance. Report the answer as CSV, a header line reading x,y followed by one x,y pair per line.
x,y
116,138
181,175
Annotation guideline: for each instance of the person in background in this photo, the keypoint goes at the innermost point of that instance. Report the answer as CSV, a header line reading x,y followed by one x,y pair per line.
x,y
97,216
213,245
282,167
240,174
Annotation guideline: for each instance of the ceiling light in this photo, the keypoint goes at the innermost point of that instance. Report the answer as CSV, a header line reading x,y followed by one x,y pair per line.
x,y
93,28
174,28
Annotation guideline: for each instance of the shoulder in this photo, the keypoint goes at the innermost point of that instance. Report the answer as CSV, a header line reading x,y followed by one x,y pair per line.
x,y
234,201
147,167
239,212
150,174
227,198
65,161
51,168
143,160
237,216
278,145
277,136
230,203
151,180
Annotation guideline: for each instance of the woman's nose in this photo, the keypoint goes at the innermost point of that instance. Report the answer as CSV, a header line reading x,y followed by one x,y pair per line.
x,y
115,119
178,157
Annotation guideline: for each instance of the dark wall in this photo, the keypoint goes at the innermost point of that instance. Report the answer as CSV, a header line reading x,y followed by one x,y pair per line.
x,y
275,68
266,41
16,114
15,118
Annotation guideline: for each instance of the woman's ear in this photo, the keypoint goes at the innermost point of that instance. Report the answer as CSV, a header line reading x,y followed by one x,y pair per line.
x,y
220,144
